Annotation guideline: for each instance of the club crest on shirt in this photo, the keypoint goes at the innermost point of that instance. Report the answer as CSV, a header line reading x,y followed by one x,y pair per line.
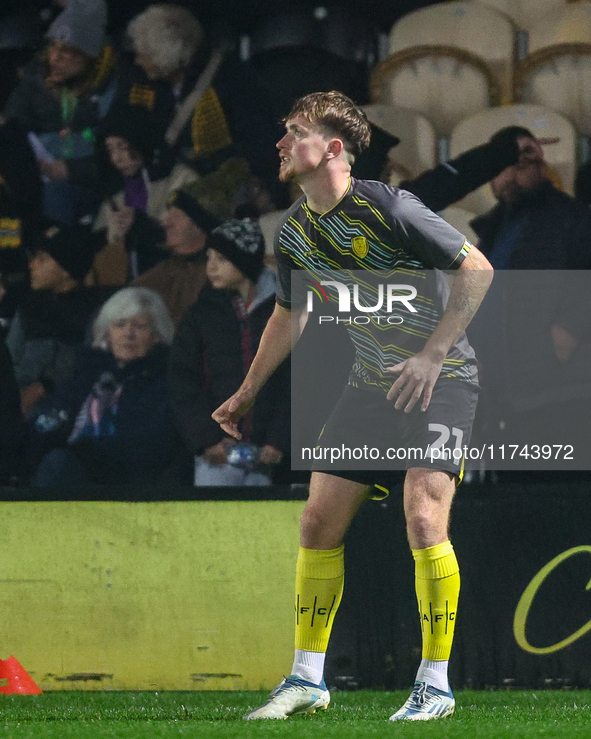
x,y
360,246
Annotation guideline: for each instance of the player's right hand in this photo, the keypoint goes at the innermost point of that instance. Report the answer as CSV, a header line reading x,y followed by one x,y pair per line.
x,y
230,412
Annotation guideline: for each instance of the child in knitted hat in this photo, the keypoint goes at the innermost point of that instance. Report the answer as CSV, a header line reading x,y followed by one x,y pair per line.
x,y
212,350
235,252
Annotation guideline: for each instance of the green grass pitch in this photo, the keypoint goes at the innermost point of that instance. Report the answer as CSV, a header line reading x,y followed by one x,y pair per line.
x,y
479,715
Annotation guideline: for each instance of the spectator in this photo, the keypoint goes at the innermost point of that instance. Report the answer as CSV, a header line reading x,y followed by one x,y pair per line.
x,y
111,423
180,278
12,428
60,100
445,184
138,187
533,332
212,105
20,210
212,351
52,322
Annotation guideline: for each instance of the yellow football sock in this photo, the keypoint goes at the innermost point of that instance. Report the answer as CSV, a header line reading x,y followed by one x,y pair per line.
x,y
437,582
320,576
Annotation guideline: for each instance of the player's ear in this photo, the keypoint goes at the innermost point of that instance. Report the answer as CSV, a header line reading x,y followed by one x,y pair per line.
x,y
334,148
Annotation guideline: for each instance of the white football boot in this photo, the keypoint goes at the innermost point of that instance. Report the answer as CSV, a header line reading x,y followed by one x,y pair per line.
x,y
292,695
425,703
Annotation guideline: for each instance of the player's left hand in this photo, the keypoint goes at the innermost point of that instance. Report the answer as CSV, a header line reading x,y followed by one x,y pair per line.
x,y
417,377
230,412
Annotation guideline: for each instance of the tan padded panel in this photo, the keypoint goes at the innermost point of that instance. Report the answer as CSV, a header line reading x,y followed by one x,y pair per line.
x,y
562,83
524,13
478,29
443,84
568,25
416,151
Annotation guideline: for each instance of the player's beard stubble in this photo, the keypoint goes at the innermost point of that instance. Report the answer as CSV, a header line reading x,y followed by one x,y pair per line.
x,y
286,172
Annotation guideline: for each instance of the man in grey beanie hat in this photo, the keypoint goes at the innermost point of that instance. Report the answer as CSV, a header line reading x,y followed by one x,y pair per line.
x,y
82,25
60,99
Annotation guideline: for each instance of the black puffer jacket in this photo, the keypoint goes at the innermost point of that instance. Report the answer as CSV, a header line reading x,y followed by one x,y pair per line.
x,y
46,333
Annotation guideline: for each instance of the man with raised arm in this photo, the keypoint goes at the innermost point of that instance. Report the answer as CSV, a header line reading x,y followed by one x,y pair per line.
x,y
413,384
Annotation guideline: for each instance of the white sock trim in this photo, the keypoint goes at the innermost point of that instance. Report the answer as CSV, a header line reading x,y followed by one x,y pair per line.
x,y
434,672
309,665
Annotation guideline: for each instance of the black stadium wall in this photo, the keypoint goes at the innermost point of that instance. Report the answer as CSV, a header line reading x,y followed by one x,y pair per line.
x,y
524,618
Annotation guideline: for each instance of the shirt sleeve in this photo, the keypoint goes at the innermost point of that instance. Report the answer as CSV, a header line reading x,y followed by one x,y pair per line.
x,y
290,293
425,235
284,267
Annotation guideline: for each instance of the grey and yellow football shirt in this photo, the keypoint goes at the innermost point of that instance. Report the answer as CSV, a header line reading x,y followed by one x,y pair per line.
x,y
377,234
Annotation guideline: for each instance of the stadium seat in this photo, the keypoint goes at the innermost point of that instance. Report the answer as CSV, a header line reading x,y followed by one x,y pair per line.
x,y
557,71
301,50
416,151
559,78
442,83
477,29
20,37
289,72
568,25
542,122
525,13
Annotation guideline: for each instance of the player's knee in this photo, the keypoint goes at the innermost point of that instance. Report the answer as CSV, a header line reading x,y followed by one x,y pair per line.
x,y
313,522
423,527
317,529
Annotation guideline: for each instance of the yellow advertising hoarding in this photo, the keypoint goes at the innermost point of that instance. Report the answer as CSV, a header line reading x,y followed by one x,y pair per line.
x,y
149,596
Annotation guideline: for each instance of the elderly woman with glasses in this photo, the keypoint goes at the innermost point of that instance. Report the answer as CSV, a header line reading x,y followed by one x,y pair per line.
x,y
112,422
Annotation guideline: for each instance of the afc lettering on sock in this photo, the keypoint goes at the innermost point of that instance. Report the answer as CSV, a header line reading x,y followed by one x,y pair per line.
x,y
436,618
315,613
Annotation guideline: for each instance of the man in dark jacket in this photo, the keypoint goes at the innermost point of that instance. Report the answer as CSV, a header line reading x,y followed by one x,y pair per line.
x,y
533,333
180,278
53,320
